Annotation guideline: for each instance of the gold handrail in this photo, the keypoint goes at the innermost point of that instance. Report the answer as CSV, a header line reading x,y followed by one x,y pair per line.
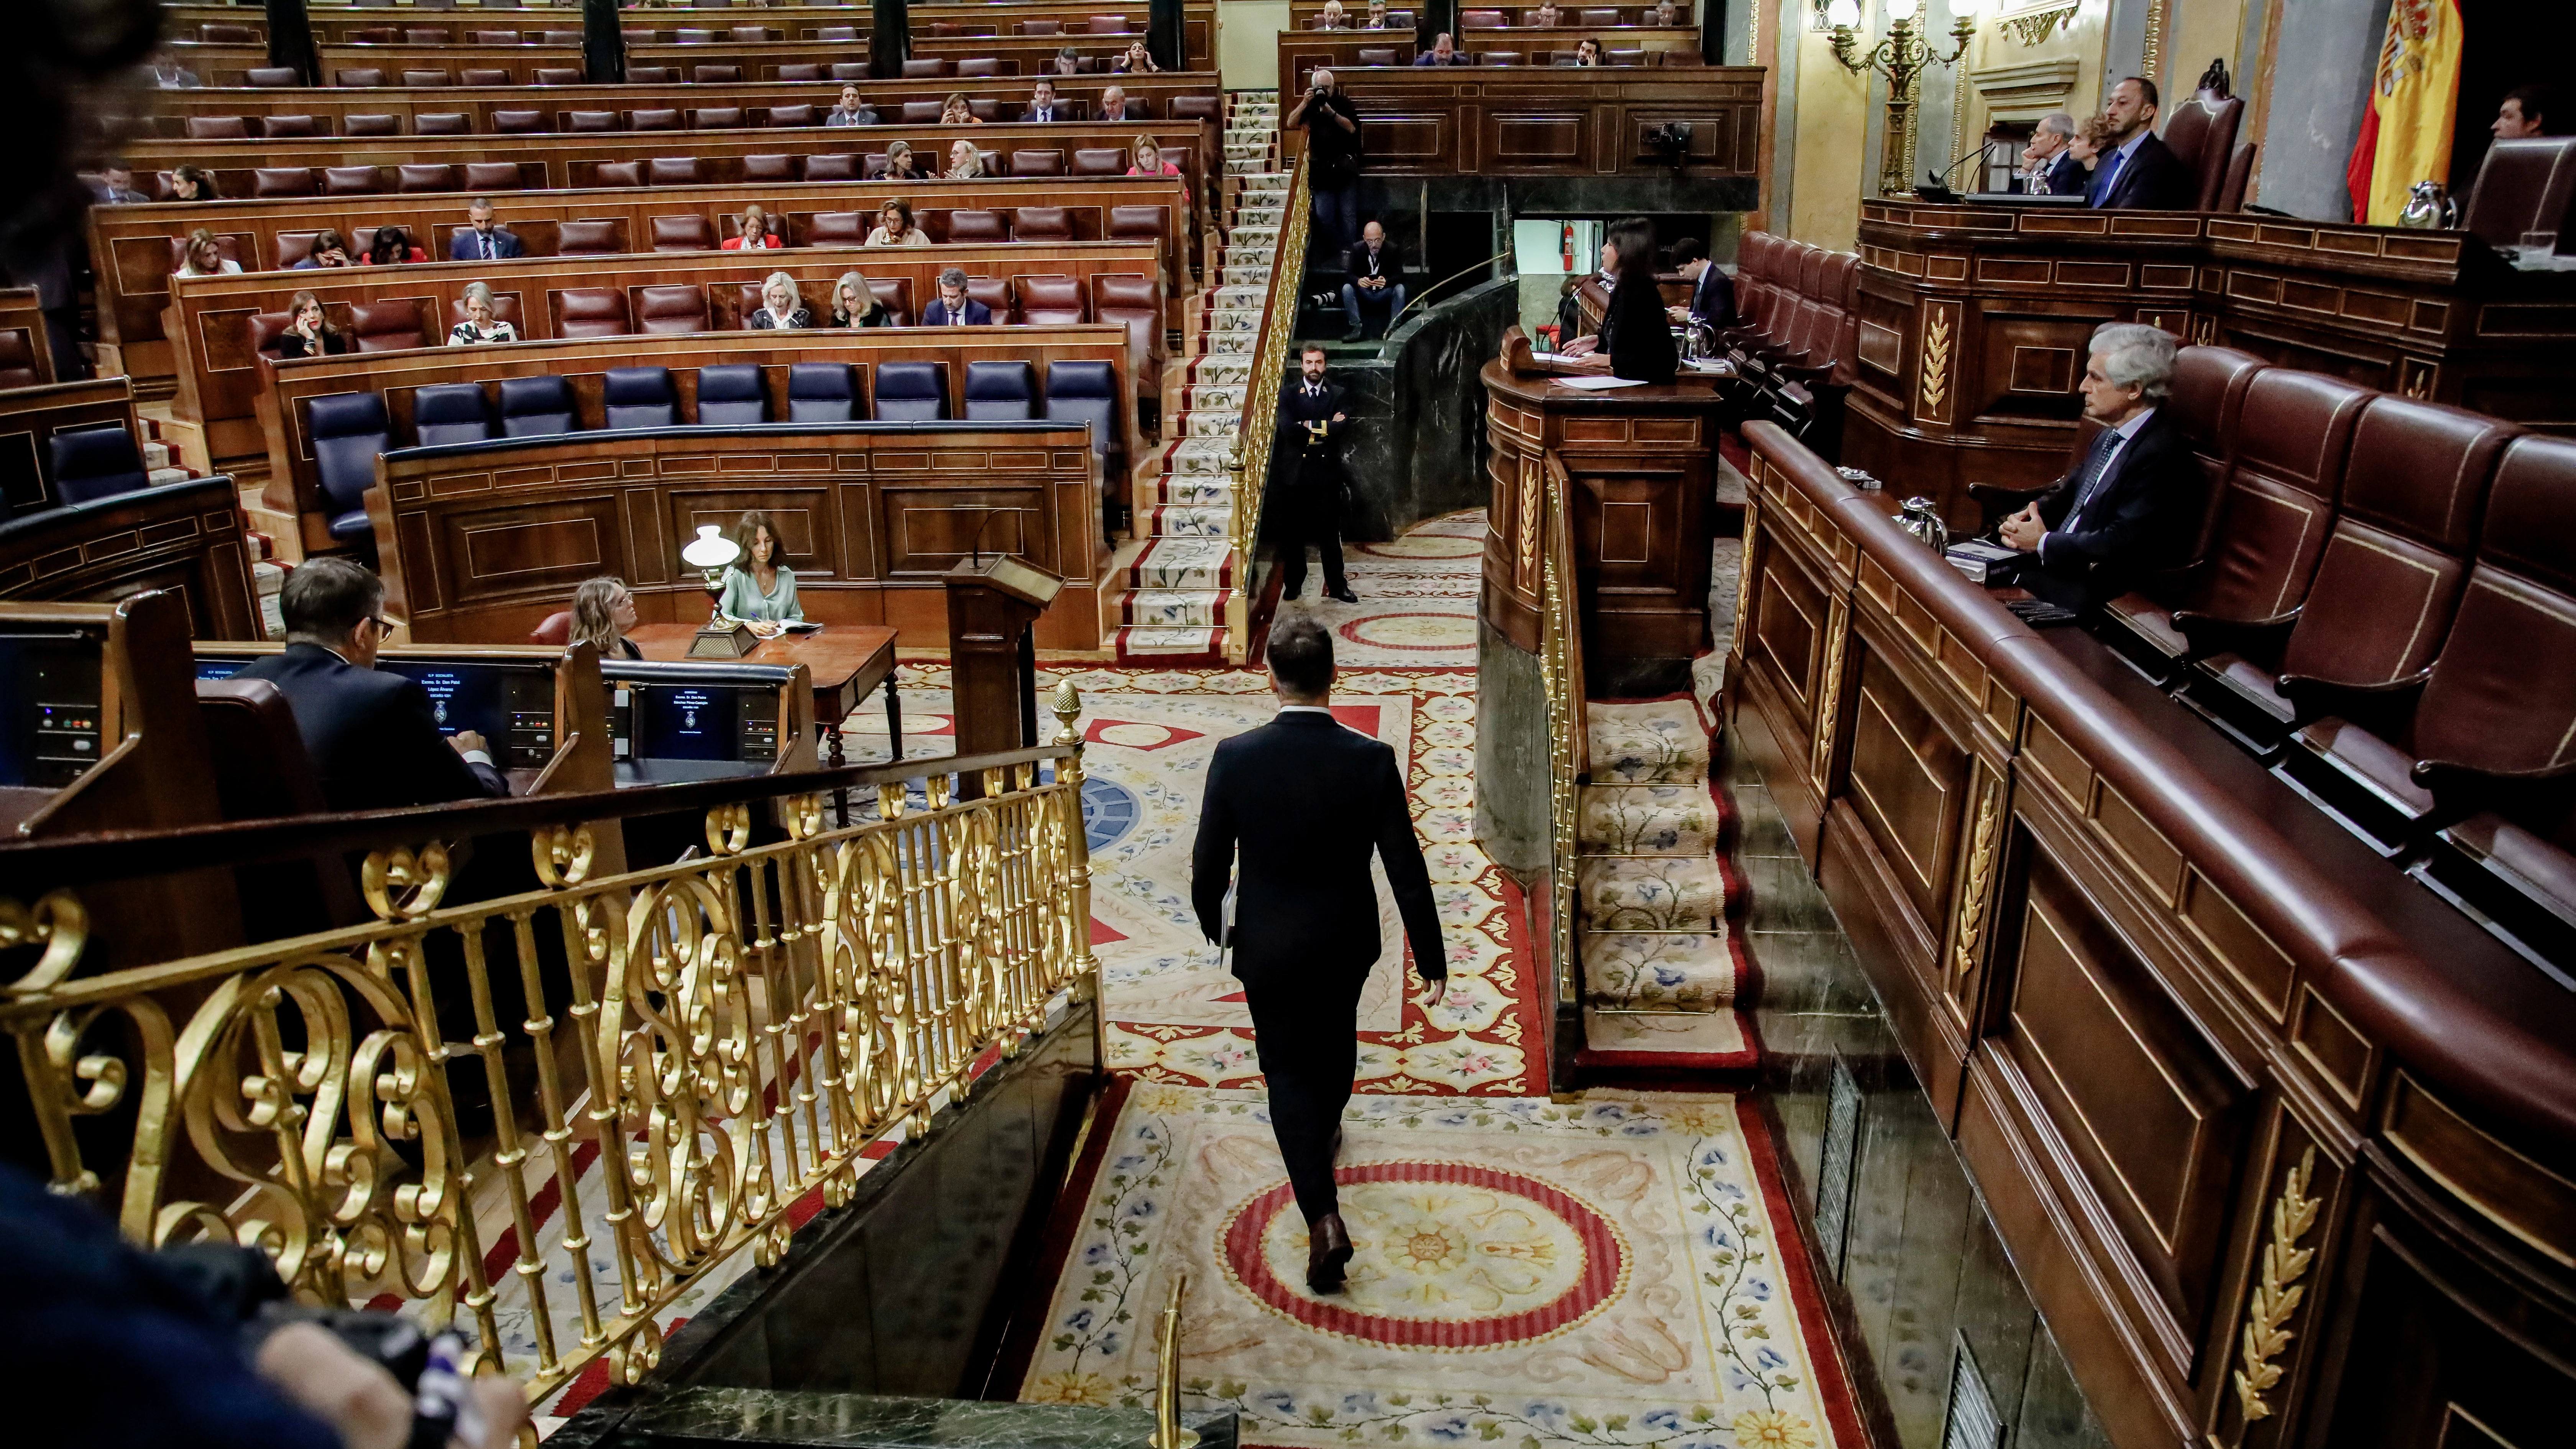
x,y
678,1054
1253,433
1168,1433
1569,752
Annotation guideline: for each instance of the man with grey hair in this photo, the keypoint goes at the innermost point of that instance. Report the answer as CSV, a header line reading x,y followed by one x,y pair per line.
x,y
2134,502
2047,167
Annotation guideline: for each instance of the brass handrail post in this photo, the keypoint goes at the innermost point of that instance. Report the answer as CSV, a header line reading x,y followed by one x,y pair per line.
x,y
1168,1433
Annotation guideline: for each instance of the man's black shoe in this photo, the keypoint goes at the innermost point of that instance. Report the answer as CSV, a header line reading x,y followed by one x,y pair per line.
x,y
1328,1248
1343,593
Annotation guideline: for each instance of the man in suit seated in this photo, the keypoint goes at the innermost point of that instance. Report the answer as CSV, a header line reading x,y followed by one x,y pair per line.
x,y
483,241
372,736
1292,812
1443,51
2048,168
2139,173
953,308
1044,108
1375,268
116,186
1113,105
1712,299
2135,501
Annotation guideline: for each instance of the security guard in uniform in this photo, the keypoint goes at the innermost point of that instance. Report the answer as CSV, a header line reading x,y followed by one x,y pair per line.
x,y
1312,420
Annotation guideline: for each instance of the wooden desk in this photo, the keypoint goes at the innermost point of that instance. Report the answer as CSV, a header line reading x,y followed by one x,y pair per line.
x,y
844,661
1974,322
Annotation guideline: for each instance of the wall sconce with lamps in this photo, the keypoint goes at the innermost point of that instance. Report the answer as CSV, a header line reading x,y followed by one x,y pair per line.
x,y
1902,58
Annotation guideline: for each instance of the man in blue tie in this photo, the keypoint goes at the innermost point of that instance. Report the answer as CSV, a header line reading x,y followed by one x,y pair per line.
x,y
2135,501
2139,172
482,241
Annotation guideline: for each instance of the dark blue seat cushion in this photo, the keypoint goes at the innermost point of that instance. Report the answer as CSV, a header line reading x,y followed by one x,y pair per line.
x,y
348,431
822,392
535,407
731,395
450,412
912,392
1000,392
639,397
1086,392
94,463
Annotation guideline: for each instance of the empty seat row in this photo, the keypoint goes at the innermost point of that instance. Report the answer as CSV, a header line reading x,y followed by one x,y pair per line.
x,y
349,430
215,33
1588,17
1792,355
97,462
506,121
413,178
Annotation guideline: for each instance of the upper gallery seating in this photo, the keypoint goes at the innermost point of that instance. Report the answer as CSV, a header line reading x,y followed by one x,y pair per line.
x,y
2383,603
1794,347
1309,14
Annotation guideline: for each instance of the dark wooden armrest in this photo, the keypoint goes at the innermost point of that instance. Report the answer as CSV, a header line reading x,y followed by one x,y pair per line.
x,y
2313,699
2210,635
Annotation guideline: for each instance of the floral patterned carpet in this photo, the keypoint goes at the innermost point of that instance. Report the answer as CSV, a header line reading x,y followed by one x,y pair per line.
x,y
1601,1273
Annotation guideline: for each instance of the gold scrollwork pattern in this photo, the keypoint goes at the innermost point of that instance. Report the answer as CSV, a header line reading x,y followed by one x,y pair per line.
x,y
1829,695
1744,571
2277,1293
602,1088
1979,875
1934,387
2030,27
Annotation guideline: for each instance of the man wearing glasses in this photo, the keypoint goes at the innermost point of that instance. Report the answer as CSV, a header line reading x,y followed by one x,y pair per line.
x,y
372,736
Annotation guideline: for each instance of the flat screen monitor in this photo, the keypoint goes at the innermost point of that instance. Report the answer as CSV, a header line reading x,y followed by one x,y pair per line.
x,y
688,722
51,730
511,705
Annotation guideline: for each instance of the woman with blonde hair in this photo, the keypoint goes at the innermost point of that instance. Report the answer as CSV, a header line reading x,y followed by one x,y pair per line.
x,y
855,303
894,226
781,309
752,232
1149,159
760,588
203,256
482,319
603,609
965,163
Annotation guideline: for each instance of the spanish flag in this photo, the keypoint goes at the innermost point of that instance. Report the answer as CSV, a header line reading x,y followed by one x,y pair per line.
x,y
2406,125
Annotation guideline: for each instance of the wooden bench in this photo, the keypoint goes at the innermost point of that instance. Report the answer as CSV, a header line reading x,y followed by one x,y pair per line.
x,y
1300,51
1531,121
1302,15
131,246
231,65
29,418
26,350
186,536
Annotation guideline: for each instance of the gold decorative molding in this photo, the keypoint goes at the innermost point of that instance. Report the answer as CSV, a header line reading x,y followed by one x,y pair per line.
x,y
2277,1295
1829,691
1934,385
1744,566
2155,37
1979,875
2033,26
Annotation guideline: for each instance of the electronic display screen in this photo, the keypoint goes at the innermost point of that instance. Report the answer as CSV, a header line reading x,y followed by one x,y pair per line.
x,y
511,706
51,728
686,722
220,668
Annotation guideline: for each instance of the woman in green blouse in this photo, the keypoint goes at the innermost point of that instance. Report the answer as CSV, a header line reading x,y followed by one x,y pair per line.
x,y
759,589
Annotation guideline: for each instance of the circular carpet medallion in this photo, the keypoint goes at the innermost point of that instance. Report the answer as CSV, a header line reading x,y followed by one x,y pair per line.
x,y
1417,630
1108,811
1449,1255
1132,735
1427,545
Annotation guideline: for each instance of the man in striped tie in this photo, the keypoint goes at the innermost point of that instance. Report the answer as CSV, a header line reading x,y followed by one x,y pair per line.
x,y
2134,503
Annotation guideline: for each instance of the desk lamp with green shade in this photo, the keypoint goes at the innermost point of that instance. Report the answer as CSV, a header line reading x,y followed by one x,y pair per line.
x,y
711,553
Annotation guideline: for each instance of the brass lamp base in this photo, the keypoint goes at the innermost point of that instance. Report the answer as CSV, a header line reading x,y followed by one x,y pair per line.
x,y
723,639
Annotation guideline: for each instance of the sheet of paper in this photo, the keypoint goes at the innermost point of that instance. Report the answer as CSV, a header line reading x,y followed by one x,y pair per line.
x,y
1599,383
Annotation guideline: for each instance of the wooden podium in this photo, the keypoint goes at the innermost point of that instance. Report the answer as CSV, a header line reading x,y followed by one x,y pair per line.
x,y
992,602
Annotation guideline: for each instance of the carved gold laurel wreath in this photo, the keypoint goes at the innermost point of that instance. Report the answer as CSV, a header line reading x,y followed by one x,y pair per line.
x,y
1936,360
2277,1295
1981,869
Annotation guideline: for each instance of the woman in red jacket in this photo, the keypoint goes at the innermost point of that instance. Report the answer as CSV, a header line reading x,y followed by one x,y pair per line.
x,y
754,232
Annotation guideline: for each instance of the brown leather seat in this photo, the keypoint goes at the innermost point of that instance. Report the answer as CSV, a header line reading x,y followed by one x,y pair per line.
x,y
1100,161
683,234
385,326
1377,55
2522,186
670,309
215,34
973,224
944,29
494,176
896,293
1037,163
2388,578
716,118
18,359
417,79
995,294
441,123
518,123
218,128
2201,133
2240,177
586,122
493,37
375,35
281,181
1041,27
1593,19
1049,300
431,176
1109,25
1623,57
484,76
293,247
842,33
370,125
359,76
839,228
273,77
840,166
427,36
754,34
617,173
769,167
265,330
716,75
672,171
928,68
592,312
795,115
848,70
556,75
801,71
693,35
593,238
2294,436
1482,20
654,118
920,113
1196,108
1134,302
262,772
653,75
227,246
1136,223
982,67
276,128
1042,223
1497,57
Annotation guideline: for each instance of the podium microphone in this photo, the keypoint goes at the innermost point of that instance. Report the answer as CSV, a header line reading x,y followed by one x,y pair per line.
x,y
975,545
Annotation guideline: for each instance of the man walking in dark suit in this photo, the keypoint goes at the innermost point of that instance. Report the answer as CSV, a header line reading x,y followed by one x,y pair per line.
x,y
2139,172
2135,501
372,735
1312,421
1302,801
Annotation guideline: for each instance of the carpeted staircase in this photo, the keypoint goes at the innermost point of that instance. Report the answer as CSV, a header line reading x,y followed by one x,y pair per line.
x,y
1662,972
1185,568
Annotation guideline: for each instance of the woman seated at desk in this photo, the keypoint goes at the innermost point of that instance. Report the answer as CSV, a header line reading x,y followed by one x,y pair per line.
x,y
603,609
760,589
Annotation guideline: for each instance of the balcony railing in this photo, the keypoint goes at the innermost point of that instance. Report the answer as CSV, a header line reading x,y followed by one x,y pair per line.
x,y
559,1109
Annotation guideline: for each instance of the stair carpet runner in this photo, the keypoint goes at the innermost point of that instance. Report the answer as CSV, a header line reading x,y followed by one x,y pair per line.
x,y
1662,974
1183,568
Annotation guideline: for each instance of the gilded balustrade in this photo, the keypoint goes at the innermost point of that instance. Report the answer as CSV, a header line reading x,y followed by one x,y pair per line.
x,y
1258,429
687,1051
1561,673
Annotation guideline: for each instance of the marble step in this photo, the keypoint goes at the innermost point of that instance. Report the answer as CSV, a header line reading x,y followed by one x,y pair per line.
x,y
1184,563
1658,742
1186,522
1650,892
1173,608
1659,971
1677,820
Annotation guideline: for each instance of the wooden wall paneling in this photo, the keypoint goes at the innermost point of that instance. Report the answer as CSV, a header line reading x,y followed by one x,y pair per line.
x,y
29,418
23,313
219,376
134,241
1510,121
184,537
1515,519
1301,49
293,487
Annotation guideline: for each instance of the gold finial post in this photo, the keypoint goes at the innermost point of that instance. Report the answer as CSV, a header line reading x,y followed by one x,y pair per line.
x,y
1168,1433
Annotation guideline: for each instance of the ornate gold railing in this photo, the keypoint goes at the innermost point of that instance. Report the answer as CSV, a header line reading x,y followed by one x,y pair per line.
x,y
681,1053
1255,433
1560,663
